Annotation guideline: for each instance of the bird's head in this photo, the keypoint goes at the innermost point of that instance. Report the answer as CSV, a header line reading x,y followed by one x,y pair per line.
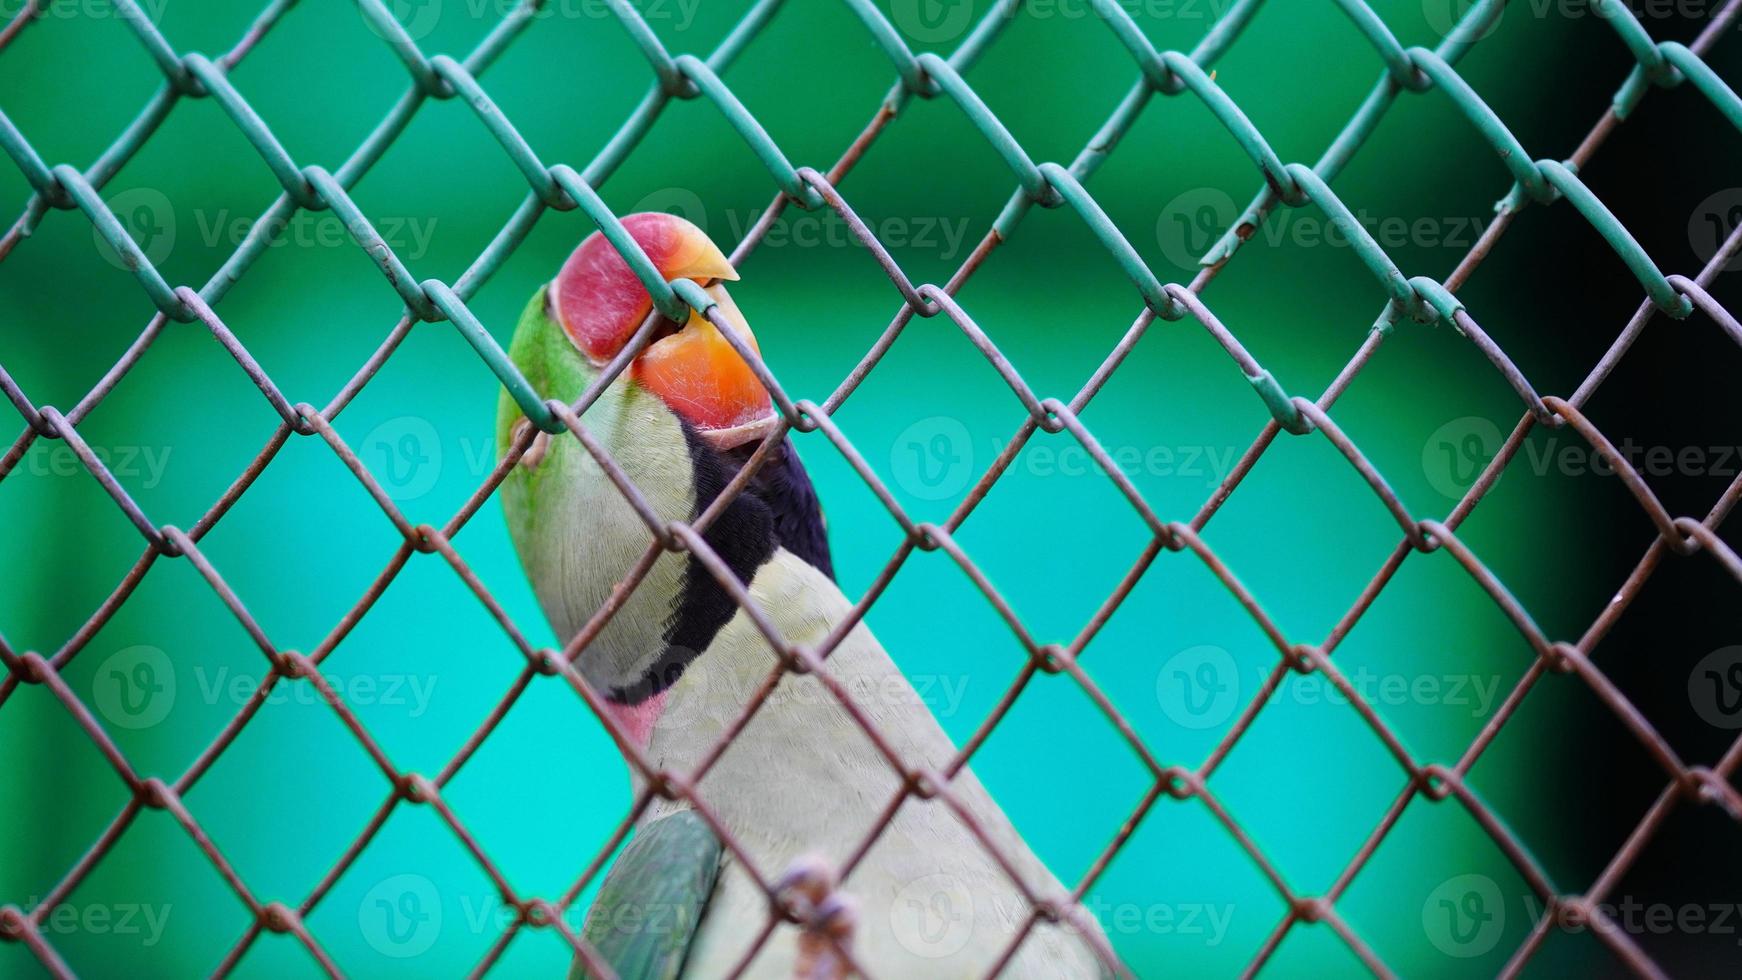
x,y
599,303
576,533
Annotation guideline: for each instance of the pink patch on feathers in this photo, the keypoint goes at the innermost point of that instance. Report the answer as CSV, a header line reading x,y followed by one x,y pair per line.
x,y
637,720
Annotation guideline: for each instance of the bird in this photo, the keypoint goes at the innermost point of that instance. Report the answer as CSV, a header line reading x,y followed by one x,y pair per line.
x,y
801,785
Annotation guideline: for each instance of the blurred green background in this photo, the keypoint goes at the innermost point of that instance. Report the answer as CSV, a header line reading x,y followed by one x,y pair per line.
x,y
426,664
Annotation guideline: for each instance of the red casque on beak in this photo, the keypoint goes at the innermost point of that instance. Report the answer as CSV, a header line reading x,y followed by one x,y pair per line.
x,y
600,303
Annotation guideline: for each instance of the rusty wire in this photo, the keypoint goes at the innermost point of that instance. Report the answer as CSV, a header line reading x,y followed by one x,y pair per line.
x,y
927,76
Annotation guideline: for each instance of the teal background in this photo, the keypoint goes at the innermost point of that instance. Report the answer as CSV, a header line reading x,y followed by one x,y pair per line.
x,y
1308,782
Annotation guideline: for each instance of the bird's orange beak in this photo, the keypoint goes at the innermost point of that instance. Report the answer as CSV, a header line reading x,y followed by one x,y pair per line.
x,y
694,370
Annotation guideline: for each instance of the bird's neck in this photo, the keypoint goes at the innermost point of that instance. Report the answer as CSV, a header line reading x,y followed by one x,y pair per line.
x,y
576,533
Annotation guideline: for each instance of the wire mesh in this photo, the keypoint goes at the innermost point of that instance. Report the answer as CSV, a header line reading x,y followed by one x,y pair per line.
x,y
931,76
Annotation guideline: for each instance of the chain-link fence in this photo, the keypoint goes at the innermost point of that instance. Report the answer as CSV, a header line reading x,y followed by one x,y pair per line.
x,y
559,187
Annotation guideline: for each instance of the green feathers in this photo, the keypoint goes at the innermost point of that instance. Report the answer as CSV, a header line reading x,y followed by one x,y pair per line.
x,y
652,900
547,359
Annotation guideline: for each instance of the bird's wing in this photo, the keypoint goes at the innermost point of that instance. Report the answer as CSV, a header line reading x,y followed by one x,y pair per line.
x,y
650,903
784,485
